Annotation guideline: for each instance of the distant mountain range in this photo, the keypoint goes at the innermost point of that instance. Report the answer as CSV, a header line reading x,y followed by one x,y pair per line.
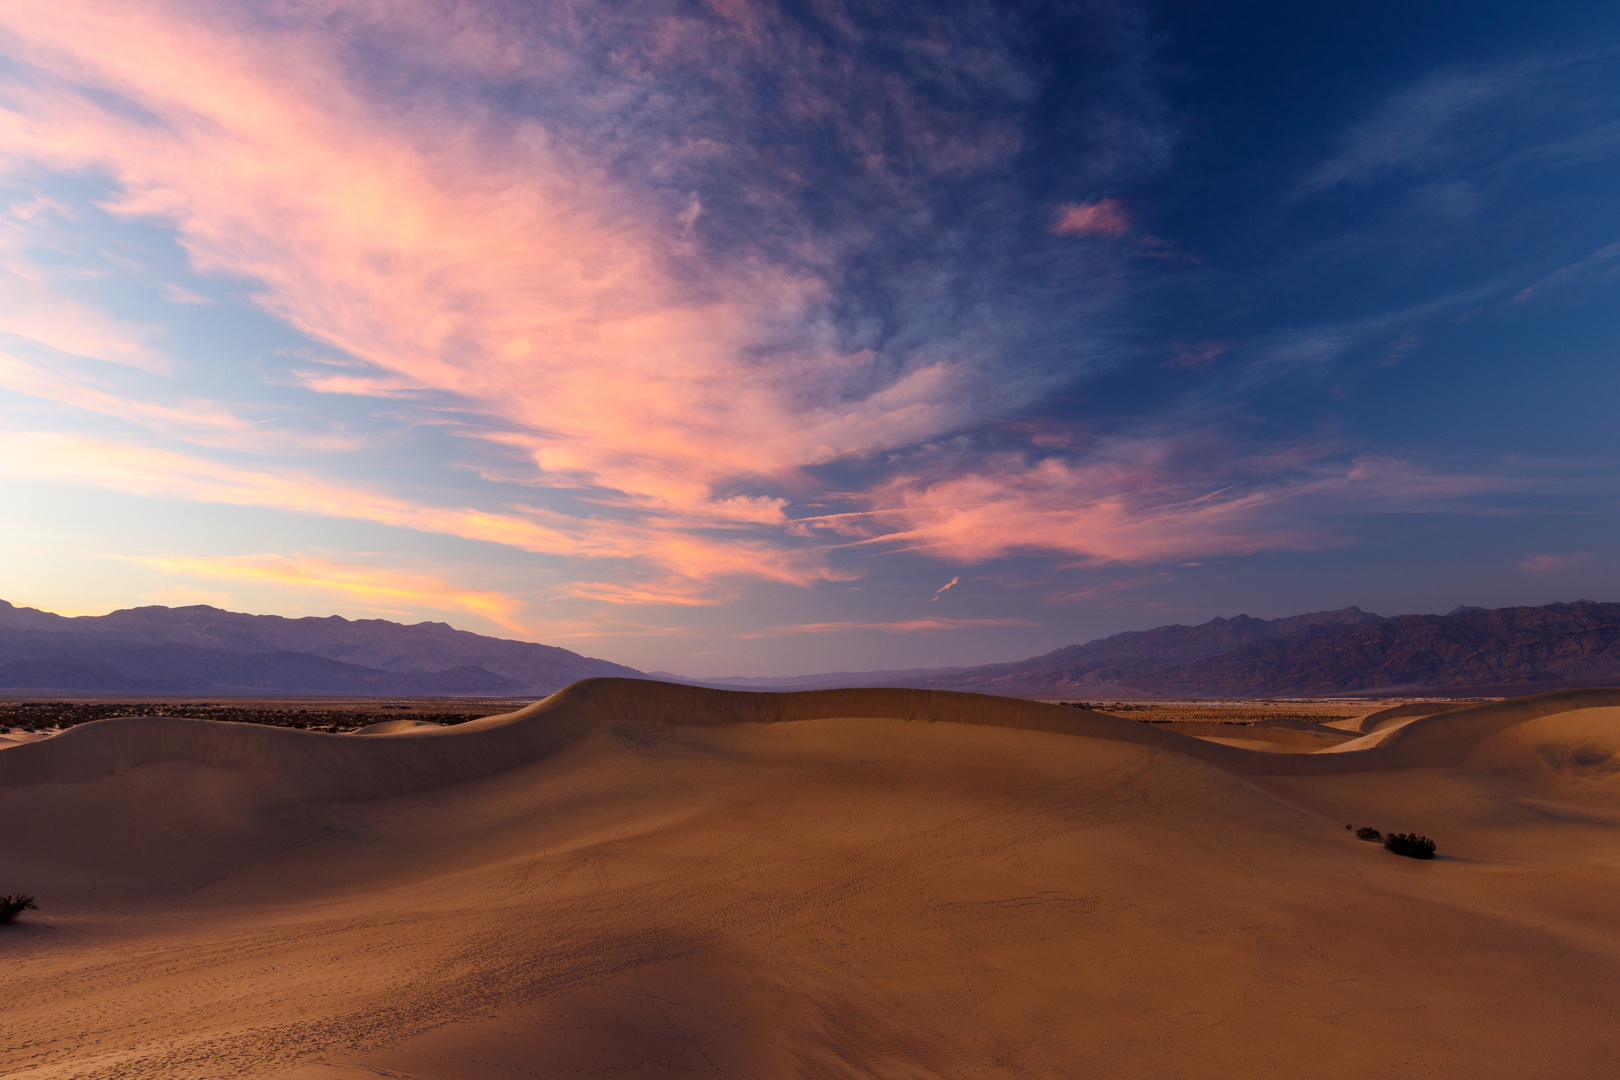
x,y
1511,650
205,650
1350,651
1473,650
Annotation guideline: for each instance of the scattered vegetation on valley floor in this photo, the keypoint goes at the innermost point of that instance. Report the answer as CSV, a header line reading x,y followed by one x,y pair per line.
x,y
1249,711
36,716
1230,712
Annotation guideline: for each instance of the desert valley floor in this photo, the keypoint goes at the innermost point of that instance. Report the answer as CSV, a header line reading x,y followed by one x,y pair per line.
x,y
635,879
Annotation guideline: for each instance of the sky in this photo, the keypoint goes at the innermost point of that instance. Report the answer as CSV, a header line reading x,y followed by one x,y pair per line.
x,y
739,338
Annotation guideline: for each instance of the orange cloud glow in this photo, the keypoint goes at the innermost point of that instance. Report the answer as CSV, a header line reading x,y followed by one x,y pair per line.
x,y
387,590
146,471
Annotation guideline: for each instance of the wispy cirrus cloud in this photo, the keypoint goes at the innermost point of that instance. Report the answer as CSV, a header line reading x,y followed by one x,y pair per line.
x,y
195,421
686,358
1318,348
1415,125
1105,217
671,590
559,300
34,315
1146,501
1604,262
673,280
1529,113
179,294
139,470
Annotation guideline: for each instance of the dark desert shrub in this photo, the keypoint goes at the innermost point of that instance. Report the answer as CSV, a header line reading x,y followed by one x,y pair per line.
x,y
1367,832
1411,845
12,906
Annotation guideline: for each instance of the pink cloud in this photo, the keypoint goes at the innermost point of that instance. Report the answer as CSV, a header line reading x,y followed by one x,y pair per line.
x,y
506,268
1138,502
1112,511
1543,564
1105,217
1196,356
326,382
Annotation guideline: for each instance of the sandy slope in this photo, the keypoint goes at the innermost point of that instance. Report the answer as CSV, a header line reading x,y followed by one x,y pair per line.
x,y
635,879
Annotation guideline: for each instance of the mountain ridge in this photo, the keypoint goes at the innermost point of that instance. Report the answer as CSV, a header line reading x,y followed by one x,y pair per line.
x,y
1504,647
203,649
1345,651
1113,660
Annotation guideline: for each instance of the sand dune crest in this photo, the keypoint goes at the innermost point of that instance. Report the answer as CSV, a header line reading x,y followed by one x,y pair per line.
x,y
643,880
400,761
395,760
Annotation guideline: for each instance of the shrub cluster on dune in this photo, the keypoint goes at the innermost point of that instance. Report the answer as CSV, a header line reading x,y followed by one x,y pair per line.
x,y
1411,845
14,904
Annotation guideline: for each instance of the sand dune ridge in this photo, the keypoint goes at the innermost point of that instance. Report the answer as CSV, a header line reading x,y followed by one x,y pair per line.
x,y
323,765
646,880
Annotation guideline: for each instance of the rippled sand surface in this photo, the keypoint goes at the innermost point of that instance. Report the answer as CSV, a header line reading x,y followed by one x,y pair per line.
x,y
633,879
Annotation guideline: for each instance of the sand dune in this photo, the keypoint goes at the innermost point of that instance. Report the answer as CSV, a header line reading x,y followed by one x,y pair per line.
x,y
1270,735
639,879
398,727
1384,718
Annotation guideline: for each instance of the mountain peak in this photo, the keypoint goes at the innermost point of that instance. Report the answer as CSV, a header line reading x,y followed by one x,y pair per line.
x,y
204,648
1347,650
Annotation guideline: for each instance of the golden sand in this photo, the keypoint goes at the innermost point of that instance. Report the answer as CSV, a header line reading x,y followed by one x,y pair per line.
x,y
633,879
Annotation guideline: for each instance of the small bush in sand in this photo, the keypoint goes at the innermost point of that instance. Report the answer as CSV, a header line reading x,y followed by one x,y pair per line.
x,y
12,906
1367,832
1411,845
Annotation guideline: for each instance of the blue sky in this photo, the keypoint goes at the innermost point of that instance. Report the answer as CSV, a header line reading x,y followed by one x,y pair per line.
x,y
740,338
